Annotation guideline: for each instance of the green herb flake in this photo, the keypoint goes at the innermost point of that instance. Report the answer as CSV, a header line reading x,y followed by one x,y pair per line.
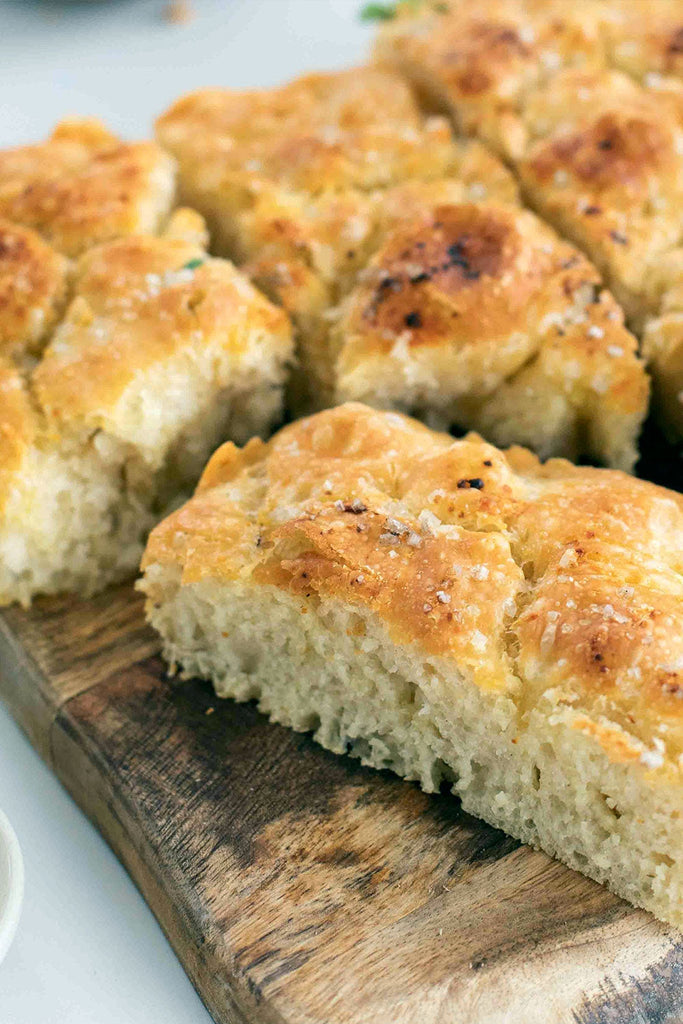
x,y
192,264
378,12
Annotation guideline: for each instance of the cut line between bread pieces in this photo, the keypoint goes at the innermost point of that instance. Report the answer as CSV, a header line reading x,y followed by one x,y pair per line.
x,y
584,101
413,275
127,355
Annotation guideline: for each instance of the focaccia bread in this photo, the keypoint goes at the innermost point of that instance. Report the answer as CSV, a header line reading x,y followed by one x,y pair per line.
x,y
585,100
456,613
119,375
414,279
84,186
479,315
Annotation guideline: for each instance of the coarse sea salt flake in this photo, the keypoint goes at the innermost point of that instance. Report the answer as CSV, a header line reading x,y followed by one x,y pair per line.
x,y
652,758
479,641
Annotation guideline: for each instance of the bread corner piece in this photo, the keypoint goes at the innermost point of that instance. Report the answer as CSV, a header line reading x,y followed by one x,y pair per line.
x,y
119,375
455,613
83,186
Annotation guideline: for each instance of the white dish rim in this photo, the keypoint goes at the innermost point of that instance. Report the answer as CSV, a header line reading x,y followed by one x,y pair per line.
x,y
11,911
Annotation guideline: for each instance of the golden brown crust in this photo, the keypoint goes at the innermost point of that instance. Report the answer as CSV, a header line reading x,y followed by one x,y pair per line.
x,y
145,312
645,38
138,301
355,129
338,255
481,60
465,296
553,582
18,424
33,287
462,274
599,152
84,186
608,170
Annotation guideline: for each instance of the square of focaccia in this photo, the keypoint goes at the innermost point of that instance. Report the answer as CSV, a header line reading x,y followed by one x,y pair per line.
x,y
479,315
598,154
481,60
321,214
112,402
84,186
604,163
454,613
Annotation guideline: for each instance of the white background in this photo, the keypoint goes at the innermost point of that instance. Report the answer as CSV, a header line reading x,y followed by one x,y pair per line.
x,y
88,951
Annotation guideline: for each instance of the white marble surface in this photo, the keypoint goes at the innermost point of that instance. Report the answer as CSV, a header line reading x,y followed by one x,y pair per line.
x,y
88,951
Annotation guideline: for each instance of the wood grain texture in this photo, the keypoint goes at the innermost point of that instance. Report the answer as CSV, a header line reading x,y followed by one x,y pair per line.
x,y
298,887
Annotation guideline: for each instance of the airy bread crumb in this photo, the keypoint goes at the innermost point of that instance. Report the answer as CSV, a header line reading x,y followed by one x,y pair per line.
x,y
457,614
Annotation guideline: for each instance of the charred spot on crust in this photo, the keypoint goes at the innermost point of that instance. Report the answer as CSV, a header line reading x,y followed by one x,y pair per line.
x,y
618,237
387,284
614,149
676,44
355,508
461,245
458,258
476,483
486,44
474,81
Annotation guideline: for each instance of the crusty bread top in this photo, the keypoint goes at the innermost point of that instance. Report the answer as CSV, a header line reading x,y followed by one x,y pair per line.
x,y
604,160
148,316
359,128
85,186
136,302
481,58
598,153
553,584
33,286
484,287
645,37
332,235
485,59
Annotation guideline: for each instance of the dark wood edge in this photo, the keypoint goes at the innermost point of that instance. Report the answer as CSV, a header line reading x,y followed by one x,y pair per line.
x,y
32,702
86,776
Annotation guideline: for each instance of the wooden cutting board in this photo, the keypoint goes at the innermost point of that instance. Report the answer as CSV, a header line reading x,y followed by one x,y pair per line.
x,y
299,888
